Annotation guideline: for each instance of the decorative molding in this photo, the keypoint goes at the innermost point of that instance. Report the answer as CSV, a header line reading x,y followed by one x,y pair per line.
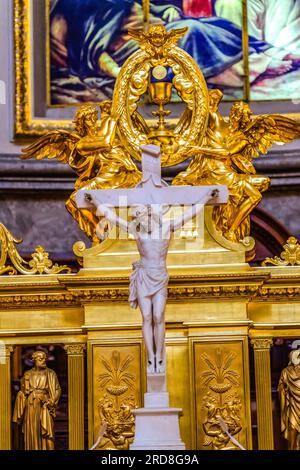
x,y
278,293
31,300
81,297
262,344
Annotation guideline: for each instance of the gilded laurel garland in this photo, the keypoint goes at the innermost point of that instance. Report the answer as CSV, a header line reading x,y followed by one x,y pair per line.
x,y
117,402
221,150
38,264
221,400
290,255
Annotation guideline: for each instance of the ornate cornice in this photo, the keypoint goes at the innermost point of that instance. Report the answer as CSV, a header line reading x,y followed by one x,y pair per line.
x,y
70,290
277,293
14,301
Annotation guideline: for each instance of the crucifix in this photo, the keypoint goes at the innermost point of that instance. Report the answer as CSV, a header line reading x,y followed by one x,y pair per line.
x,y
148,202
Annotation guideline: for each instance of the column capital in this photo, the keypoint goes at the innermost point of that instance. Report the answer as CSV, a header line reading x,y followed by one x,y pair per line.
x,y
75,349
262,343
5,350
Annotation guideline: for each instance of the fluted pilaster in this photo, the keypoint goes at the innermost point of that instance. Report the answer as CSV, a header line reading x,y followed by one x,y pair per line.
x,y
5,397
75,354
263,388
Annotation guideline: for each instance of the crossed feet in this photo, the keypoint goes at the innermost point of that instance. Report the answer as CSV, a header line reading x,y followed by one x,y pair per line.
x,y
156,366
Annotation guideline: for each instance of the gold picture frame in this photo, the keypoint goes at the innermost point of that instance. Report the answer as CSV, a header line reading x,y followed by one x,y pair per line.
x,y
26,123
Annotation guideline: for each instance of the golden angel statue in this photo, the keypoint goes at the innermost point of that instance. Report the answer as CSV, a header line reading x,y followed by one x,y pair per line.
x,y
36,403
94,152
225,157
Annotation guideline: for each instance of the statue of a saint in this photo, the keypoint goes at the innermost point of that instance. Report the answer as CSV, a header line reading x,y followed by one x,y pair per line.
x,y
289,396
36,403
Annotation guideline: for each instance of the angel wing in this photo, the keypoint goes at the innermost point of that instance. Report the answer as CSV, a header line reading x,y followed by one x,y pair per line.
x,y
174,35
265,131
55,144
139,36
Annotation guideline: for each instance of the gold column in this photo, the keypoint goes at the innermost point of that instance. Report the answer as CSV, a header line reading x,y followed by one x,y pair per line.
x,y
5,401
76,395
263,389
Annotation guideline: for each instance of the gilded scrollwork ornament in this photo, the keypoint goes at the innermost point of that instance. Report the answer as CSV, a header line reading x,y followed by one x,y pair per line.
x,y
11,262
290,256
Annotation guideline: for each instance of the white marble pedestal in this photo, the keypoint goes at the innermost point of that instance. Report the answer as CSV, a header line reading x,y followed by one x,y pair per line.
x,y
157,425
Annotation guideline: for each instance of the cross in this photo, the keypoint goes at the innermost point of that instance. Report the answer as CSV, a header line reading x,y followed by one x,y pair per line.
x,y
149,279
152,189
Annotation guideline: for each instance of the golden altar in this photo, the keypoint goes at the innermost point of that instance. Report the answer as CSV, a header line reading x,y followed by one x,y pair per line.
x,y
217,303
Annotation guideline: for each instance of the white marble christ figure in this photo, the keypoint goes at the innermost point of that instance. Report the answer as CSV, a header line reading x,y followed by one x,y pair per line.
x,y
149,279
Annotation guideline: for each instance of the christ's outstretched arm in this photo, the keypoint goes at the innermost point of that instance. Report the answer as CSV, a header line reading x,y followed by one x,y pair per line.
x,y
111,216
193,210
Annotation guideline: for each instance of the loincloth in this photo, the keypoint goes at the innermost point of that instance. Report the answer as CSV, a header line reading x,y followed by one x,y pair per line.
x,y
146,281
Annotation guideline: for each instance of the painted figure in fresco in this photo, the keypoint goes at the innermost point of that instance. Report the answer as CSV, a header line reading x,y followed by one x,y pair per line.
x,y
36,404
289,396
95,41
275,73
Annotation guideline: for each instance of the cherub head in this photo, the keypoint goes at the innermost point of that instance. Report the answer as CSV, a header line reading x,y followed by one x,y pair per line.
x,y
86,120
157,35
240,115
39,359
